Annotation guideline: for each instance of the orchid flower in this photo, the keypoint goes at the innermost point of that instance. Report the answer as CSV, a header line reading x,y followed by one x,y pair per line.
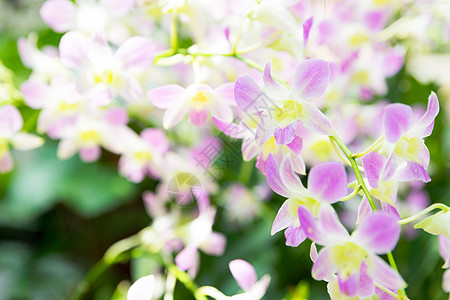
x,y
11,123
353,258
245,276
196,235
327,183
102,73
142,155
197,100
405,137
142,289
88,16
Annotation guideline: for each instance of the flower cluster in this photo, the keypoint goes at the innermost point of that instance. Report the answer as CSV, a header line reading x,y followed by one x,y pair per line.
x,y
166,85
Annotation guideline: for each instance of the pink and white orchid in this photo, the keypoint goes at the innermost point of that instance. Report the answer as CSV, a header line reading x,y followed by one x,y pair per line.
x,y
245,276
198,101
327,183
353,258
11,123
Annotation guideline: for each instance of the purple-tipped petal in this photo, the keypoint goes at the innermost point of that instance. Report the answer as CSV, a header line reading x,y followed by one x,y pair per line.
x,y
306,28
198,118
418,172
429,116
283,218
187,258
166,96
350,285
330,223
230,129
328,181
243,273
273,177
215,245
136,52
366,286
309,225
90,154
59,15
156,138
294,236
323,266
390,210
310,80
373,163
378,232
289,178
249,96
285,135
315,120
272,87
382,273
397,119
296,145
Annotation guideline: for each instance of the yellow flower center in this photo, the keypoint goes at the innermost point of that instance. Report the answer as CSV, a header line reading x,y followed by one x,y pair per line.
x,y
90,135
4,147
107,77
410,148
288,113
358,38
385,191
143,156
67,107
201,99
361,77
348,258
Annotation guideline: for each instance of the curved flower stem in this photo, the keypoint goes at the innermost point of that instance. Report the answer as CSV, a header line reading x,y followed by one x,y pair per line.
x,y
355,168
211,292
441,206
174,33
352,194
373,146
386,290
344,159
184,278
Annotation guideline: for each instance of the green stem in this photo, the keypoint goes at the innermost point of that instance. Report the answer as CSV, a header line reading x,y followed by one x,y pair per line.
x,y
423,212
246,171
355,168
352,194
174,33
186,281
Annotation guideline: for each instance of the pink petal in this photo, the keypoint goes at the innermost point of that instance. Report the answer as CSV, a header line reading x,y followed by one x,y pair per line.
x,y
225,92
283,218
174,115
397,120
289,178
373,163
221,110
73,49
378,232
230,129
273,177
390,210
310,80
431,113
366,286
137,52
364,209
100,95
272,87
116,116
285,135
198,118
58,14
118,8
249,96
142,289
330,223
10,120
90,154
6,162
156,138
315,120
444,250
446,281
375,20
349,286
166,96
323,266
296,145
215,244
243,273
382,273
306,28
34,93
186,259
328,181
294,236
308,223
418,172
